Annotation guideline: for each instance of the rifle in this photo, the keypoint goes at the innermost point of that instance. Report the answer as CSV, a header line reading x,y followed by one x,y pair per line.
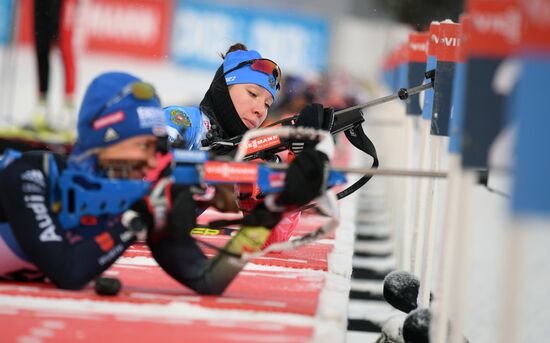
x,y
348,120
81,194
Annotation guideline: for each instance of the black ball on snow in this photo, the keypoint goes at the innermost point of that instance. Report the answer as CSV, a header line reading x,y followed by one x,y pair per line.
x,y
401,290
416,327
107,286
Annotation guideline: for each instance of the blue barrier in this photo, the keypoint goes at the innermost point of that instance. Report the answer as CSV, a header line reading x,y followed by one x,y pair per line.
x,y
201,31
6,21
532,168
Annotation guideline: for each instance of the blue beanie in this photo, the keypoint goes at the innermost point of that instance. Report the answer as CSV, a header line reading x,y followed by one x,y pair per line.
x,y
246,74
126,118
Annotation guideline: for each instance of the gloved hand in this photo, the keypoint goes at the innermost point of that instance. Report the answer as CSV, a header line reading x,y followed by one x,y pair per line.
x,y
305,179
261,216
221,196
182,217
168,210
159,202
313,116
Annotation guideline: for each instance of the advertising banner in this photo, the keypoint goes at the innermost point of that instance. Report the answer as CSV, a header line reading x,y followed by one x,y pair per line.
x,y
202,31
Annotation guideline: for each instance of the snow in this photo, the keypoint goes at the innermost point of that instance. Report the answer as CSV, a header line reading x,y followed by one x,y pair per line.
x,y
171,310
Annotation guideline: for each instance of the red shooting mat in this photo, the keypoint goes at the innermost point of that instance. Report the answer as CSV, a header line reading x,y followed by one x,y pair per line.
x,y
275,296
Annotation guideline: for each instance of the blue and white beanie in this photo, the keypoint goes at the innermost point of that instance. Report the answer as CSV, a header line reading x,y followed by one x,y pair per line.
x,y
246,74
126,118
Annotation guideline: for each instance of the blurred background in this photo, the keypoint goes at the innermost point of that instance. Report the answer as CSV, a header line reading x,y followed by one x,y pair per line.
x,y
331,52
176,45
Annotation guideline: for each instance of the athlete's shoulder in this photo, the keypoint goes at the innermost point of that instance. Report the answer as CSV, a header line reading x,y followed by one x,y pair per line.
x,y
32,165
184,123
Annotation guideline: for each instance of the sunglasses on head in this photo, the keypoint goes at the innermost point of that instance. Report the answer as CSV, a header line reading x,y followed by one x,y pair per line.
x,y
139,90
262,65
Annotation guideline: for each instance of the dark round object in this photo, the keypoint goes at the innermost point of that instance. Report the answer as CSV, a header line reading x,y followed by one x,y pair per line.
x,y
401,290
107,286
403,94
416,327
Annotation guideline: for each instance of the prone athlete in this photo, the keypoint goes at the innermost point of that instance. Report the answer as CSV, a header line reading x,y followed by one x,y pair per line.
x,y
119,125
239,97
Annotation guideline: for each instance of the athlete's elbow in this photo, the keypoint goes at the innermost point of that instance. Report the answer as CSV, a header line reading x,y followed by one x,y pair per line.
x,y
73,284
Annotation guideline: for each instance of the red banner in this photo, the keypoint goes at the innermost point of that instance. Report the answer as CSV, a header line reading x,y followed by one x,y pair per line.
x,y
434,38
496,27
449,42
139,28
465,31
418,46
536,14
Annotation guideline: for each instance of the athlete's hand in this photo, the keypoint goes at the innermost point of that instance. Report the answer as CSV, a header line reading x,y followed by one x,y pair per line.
x,y
182,217
313,116
305,179
222,197
172,209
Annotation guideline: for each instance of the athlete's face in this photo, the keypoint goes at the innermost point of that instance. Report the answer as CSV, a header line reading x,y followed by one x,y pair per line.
x,y
132,158
251,102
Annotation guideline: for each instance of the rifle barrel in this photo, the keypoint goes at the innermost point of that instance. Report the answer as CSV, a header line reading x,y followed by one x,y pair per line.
x,y
398,95
376,171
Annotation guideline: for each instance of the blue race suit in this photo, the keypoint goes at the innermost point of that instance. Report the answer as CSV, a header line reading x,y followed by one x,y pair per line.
x,y
33,245
188,127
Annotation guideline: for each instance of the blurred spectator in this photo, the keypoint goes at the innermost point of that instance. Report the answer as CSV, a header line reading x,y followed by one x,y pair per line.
x,y
54,22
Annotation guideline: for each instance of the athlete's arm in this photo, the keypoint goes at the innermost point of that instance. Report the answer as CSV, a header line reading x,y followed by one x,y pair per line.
x,y
66,258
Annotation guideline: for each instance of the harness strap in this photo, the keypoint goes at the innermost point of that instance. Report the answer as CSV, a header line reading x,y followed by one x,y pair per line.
x,y
357,137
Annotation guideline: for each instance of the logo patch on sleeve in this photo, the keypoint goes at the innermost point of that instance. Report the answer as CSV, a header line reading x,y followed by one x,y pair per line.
x,y
105,241
180,118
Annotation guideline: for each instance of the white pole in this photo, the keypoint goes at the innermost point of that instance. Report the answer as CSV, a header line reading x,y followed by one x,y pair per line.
x,y
513,259
420,202
450,228
462,255
409,211
432,208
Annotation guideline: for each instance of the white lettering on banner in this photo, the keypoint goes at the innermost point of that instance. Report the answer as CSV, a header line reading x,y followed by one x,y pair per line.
x,y
450,41
122,22
538,12
506,24
202,35
419,46
435,39
36,204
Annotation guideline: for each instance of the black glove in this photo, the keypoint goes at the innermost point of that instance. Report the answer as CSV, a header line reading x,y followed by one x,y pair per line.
x,y
261,216
305,179
169,210
183,214
313,116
